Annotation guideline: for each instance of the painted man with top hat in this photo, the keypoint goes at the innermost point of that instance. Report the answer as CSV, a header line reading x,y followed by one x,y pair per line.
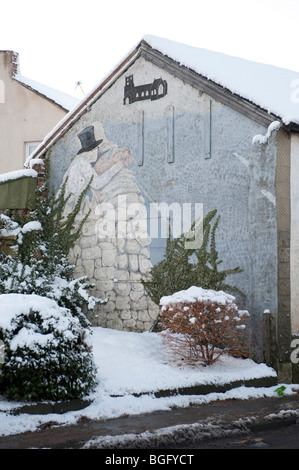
x,y
98,159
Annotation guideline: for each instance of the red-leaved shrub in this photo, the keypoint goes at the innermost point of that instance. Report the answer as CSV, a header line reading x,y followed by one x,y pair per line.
x,y
200,325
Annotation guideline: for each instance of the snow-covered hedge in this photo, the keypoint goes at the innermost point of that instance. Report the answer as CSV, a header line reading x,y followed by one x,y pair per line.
x,y
48,353
199,325
39,264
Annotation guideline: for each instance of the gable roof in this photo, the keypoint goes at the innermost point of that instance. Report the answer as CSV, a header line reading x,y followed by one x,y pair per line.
x,y
262,92
266,86
65,101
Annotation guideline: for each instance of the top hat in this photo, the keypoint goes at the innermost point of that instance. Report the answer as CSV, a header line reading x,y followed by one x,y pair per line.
x,y
87,139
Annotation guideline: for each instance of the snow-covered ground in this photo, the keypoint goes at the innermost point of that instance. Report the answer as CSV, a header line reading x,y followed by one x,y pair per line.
x,y
132,363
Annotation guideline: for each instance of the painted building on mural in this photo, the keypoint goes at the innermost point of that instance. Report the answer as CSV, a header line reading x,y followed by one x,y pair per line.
x,y
223,142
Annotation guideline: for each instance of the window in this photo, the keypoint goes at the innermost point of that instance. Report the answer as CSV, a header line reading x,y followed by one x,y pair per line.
x,y
30,147
2,92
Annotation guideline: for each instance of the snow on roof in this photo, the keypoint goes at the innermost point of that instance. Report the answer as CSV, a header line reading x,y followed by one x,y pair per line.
x,y
274,89
68,102
13,175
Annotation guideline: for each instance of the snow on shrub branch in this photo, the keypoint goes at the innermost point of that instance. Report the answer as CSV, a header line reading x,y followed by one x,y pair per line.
x,y
48,353
199,325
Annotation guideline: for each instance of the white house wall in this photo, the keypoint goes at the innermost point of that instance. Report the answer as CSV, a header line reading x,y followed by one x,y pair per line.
x,y
25,117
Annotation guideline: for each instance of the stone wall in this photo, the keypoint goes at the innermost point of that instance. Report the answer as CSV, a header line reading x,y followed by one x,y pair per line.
x,y
116,266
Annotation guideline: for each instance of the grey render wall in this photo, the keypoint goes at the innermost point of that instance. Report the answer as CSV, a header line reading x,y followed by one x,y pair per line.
x,y
168,139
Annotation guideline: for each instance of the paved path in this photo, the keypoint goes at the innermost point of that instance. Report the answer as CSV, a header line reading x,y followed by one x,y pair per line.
x,y
205,423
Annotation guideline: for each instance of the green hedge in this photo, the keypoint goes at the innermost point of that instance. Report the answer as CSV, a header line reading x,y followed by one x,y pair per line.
x,y
18,193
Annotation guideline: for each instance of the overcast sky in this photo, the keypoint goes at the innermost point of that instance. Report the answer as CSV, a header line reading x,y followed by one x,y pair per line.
x,y
61,42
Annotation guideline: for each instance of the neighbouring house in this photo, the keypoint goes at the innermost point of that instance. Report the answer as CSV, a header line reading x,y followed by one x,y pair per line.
x,y
28,111
174,130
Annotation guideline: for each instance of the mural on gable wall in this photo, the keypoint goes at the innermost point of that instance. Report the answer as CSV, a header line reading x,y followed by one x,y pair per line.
x,y
166,151
113,250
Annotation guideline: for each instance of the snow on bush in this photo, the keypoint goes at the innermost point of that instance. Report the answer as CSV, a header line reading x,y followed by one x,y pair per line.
x,y
199,325
48,352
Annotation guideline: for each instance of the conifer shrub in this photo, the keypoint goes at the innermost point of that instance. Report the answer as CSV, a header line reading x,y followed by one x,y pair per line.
x,y
199,325
183,267
48,352
38,262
